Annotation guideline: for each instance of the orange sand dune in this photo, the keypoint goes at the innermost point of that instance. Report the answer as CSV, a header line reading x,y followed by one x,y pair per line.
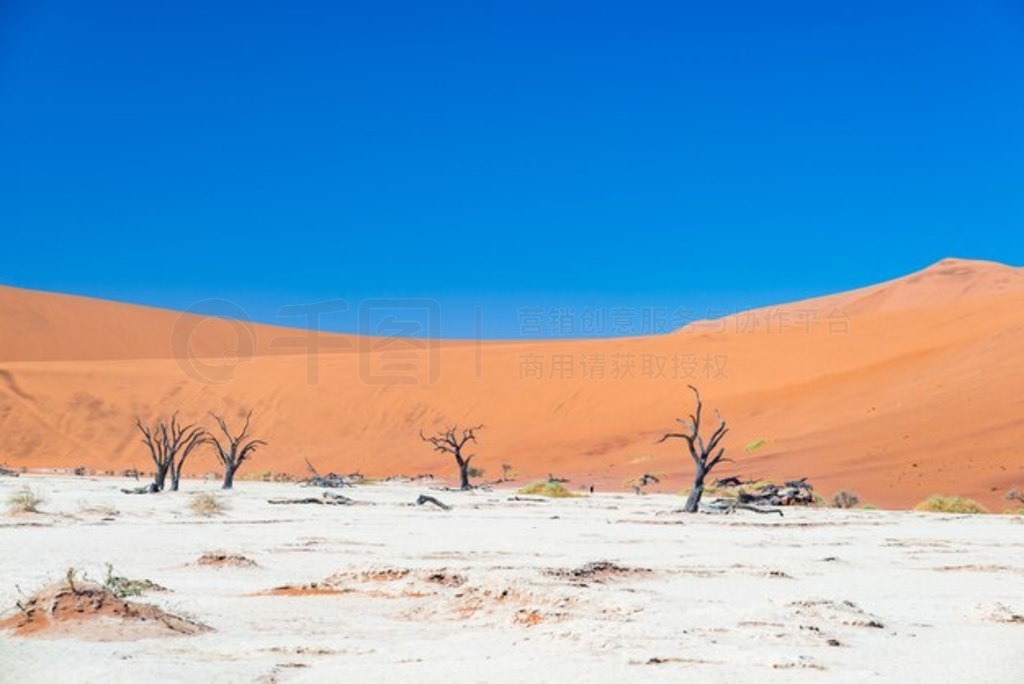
x,y
42,326
897,391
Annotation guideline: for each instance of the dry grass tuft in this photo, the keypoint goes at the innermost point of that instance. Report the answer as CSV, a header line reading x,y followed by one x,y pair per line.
x,y
102,510
25,500
950,504
207,505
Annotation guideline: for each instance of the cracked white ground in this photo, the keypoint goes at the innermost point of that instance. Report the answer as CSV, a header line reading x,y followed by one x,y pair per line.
x,y
496,590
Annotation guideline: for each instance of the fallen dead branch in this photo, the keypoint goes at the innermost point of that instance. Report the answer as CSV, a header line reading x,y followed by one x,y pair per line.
x,y
151,488
327,498
793,493
727,506
424,499
330,480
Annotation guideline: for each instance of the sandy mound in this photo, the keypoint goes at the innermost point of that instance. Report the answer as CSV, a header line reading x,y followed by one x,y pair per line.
x,y
87,611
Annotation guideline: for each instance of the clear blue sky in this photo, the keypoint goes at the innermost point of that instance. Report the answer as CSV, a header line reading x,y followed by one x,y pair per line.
x,y
703,155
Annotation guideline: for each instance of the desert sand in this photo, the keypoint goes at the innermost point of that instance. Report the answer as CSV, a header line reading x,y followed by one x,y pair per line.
x,y
603,588
897,391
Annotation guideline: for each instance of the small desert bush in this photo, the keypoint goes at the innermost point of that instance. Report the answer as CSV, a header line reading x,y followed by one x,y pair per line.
x,y
122,587
554,490
845,499
207,505
24,501
950,504
869,507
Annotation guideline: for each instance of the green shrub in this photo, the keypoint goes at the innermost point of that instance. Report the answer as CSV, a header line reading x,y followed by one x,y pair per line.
x,y
554,490
755,445
122,587
950,504
869,507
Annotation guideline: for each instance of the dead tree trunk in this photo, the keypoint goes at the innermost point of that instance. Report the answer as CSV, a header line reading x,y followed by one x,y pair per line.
x,y
453,443
188,444
704,456
160,476
235,449
229,477
175,478
693,499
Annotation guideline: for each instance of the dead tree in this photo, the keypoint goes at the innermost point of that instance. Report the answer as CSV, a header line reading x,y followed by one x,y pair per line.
x,y
703,453
235,449
169,444
646,479
451,442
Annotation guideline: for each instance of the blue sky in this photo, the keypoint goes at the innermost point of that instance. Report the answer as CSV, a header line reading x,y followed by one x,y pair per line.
x,y
706,156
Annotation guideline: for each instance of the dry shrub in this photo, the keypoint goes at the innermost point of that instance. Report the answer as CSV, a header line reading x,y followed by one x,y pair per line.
x,y
550,488
25,500
219,559
950,504
845,499
207,505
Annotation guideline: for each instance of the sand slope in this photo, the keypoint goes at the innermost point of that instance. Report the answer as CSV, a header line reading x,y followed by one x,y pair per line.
x,y
897,391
